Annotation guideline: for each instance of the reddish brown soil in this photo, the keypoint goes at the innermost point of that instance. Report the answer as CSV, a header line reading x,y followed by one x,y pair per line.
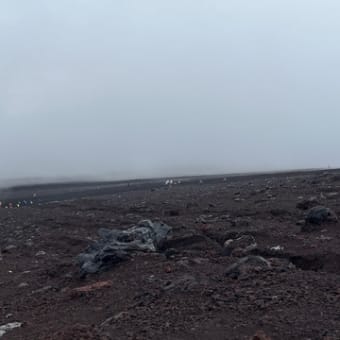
x,y
187,296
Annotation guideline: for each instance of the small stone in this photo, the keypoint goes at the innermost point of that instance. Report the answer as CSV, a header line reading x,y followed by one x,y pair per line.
x,y
29,243
325,238
42,290
300,222
68,276
183,263
171,253
308,203
277,248
332,194
8,327
23,285
40,253
9,248
184,283
198,260
241,245
247,263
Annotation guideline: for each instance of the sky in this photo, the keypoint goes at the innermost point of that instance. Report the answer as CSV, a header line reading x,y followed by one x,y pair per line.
x,y
126,89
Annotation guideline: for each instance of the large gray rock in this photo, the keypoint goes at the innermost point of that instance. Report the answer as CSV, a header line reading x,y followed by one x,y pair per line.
x,y
319,215
116,245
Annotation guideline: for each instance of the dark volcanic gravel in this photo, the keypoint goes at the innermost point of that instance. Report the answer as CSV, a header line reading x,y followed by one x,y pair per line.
x,y
183,291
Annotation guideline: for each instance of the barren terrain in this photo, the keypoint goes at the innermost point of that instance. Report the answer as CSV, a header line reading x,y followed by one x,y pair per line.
x,y
184,290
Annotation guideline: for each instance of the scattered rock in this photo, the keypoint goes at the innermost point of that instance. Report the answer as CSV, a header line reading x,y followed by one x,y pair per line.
x,y
277,248
322,196
8,249
241,245
8,327
40,253
183,283
198,260
23,285
308,203
332,194
204,219
324,238
300,222
246,264
171,253
93,286
184,262
29,243
114,318
42,290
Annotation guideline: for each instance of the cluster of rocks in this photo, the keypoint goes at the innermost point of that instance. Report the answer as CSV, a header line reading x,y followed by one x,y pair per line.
x,y
117,245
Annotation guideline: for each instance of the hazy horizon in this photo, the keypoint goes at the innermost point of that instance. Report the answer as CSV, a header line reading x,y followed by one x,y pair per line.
x,y
136,89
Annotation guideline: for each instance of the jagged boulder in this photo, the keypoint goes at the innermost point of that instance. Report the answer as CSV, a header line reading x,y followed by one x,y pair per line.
x,y
116,245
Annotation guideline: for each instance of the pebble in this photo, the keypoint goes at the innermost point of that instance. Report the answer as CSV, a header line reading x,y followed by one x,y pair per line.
x,y
8,327
42,290
23,285
9,248
29,243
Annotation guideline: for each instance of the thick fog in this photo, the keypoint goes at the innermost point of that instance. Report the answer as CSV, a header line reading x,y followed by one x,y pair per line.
x,y
136,88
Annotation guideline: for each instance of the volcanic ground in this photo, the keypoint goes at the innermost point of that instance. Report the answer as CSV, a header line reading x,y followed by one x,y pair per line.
x,y
289,288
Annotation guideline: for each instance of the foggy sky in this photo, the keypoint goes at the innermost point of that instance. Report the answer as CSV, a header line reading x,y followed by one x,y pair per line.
x,y
146,88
